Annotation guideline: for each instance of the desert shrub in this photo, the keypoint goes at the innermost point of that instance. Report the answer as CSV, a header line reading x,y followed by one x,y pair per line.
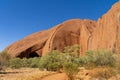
x,y
26,62
82,60
103,72
1,63
34,62
51,61
70,69
54,60
5,55
19,63
4,58
101,58
117,64
95,58
72,50
15,63
30,62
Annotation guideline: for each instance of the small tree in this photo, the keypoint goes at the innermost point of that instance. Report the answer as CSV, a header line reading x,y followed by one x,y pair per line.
x,y
15,63
4,58
71,69
34,62
51,61
1,63
101,58
72,50
5,55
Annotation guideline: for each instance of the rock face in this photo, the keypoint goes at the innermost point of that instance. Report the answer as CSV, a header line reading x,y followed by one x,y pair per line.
x,y
107,33
71,32
30,46
90,35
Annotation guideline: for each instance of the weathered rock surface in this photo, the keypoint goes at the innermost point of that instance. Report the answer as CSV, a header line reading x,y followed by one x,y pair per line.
x,y
90,35
71,32
30,46
107,33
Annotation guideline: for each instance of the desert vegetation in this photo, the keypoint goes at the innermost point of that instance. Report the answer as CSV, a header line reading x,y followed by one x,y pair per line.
x,y
4,58
17,63
24,74
99,64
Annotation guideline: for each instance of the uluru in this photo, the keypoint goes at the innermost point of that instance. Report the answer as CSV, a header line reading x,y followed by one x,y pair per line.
x,y
88,34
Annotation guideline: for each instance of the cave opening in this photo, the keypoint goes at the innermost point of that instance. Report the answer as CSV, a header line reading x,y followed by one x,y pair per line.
x,y
33,54
28,55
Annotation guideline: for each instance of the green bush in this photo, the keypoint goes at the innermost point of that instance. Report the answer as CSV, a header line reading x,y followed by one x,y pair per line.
x,y
54,60
101,58
5,55
72,50
117,64
51,61
4,58
25,62
81,60
1,63
19,63
70,69
15,63
34,62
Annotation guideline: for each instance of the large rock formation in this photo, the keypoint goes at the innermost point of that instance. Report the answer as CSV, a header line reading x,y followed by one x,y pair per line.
x,y
107,33
90,35
68,33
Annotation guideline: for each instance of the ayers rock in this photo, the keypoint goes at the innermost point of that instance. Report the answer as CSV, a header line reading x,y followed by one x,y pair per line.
x,y
90,35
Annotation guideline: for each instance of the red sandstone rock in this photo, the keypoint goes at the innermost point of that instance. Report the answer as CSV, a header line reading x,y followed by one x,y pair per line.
x,y
107,33
30,45
90,35
68,33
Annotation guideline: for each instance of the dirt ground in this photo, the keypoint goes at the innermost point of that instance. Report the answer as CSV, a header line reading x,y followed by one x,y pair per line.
x,y
57,76
23,74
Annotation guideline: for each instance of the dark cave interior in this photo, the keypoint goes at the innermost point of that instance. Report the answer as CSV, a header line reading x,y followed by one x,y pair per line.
x,y
33,54
28,55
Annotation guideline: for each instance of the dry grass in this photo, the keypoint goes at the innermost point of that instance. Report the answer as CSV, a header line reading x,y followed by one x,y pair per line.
x,y
98,72
103,72
23,74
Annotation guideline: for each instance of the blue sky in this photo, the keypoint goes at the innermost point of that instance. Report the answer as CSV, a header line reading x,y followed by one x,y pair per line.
x,y
19,18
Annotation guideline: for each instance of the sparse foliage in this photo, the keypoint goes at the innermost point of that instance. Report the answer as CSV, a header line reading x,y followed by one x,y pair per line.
x,y
4,58
51,61
69,60
70,69
103,72
15,63
5,55
1,63
101,58
19,63
72,50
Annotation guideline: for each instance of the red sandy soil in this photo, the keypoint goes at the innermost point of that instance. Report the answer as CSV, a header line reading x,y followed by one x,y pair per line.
x,y
58,76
